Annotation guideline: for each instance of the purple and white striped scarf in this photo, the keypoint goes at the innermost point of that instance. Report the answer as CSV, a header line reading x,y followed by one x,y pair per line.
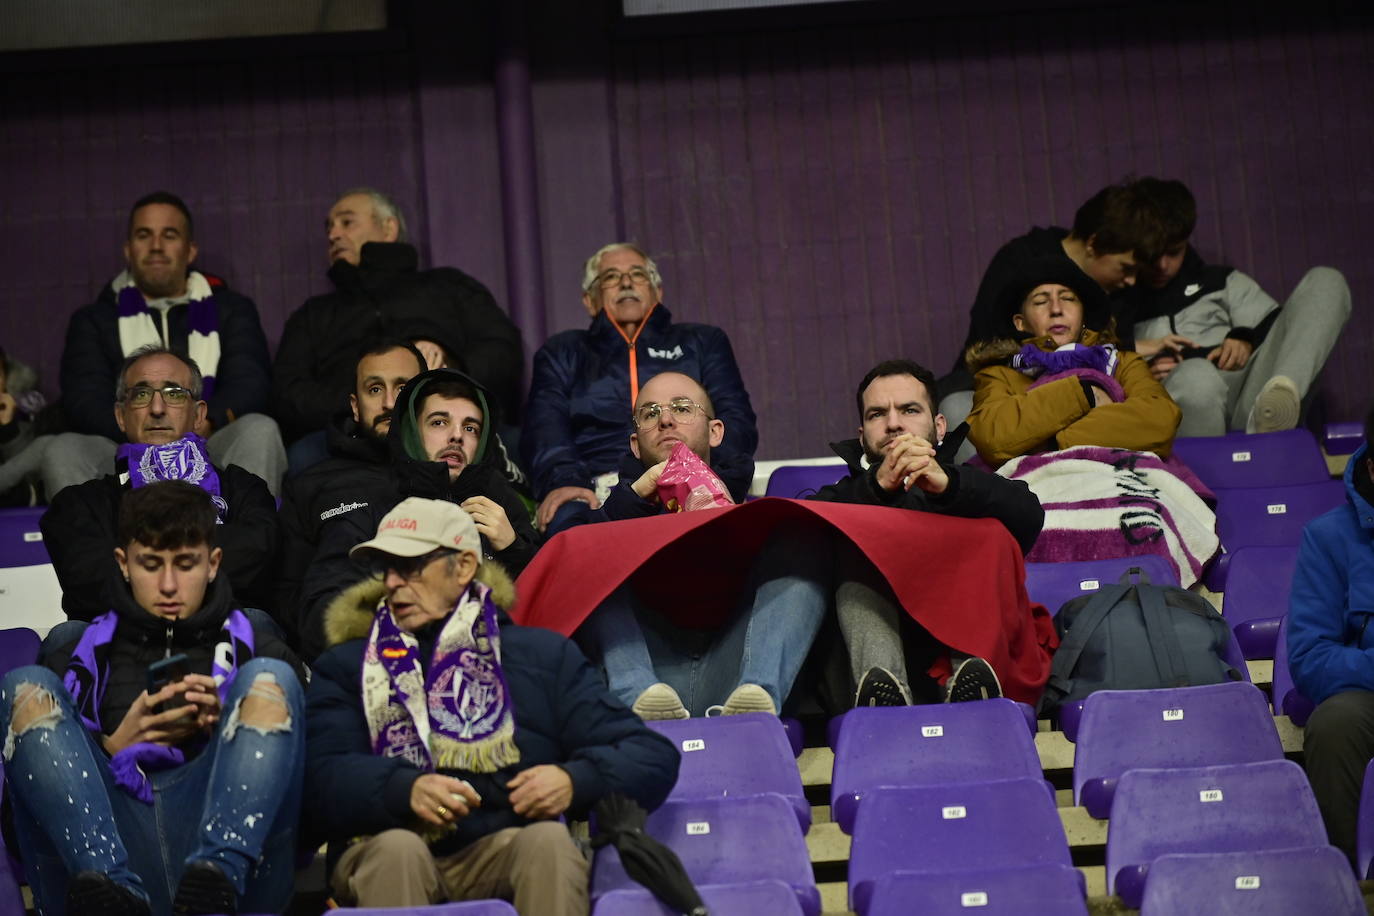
x,y
87,676
185,459
459,717
1032,361
139,327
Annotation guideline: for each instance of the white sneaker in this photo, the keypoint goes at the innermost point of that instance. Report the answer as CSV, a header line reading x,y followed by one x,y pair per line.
x,y
659,701
745,698
1276,407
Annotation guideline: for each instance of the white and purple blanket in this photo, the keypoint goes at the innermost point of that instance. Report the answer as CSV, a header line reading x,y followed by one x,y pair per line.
x,y
1103,503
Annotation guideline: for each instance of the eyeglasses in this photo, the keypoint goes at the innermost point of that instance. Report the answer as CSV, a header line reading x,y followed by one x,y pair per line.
x,y
684,412
611,278
172,395
405,567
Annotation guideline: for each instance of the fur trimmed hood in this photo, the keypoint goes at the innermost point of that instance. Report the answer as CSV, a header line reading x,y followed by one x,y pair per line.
x,y
349,615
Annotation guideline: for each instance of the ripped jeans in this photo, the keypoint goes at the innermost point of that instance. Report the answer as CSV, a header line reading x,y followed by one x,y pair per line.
x,y
236,804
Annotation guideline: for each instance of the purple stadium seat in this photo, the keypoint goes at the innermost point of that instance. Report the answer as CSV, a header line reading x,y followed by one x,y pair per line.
x,y
730,756
1257,596
468,908
1053,584
1037,890
760,898
934,829
1267,517
1343,438
1206,809
795,481
21,541
1254,459
1070,714
1364,841
927,745
1287,700
1177,727
725,841
1275,882
18,647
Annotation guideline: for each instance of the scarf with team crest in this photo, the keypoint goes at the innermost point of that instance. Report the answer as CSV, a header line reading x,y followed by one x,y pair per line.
x,y
459,717
185,459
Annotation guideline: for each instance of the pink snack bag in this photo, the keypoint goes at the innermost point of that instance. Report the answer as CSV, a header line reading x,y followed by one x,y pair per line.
x,y
687,483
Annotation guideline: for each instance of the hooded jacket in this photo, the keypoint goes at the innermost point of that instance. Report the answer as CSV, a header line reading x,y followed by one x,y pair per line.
x,y
577,422
331,569
1207,303
971,493
387,295
79,531
1330,639
563,716
92,355
141,638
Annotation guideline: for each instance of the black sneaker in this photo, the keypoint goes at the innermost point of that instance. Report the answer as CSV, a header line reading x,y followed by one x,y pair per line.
x,y
974,679
204,888
95,892
880,687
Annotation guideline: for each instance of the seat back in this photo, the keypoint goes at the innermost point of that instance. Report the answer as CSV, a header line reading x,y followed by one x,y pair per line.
x,y
942,828
1174,727
927,745
730,756
1271,882
1036,890
18,647
467,908
1287,700
1206,809
1254,459
1052,584
764,898
1257,596
724,841
795,481
1272,516
21,540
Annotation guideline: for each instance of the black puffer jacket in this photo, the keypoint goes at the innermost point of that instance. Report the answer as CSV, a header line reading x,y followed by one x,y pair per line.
x,y
386,295
79,531
331,570
971,494
140,639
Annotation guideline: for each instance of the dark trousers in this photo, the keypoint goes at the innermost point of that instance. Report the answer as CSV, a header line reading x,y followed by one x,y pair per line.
x,y
1337,745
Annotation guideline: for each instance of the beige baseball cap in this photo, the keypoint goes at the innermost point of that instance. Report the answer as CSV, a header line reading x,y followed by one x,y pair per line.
x,y
417,526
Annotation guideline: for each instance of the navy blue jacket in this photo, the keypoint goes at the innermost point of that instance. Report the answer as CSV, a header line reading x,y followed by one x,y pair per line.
x,y
91,358
1330,640
577,421
563,716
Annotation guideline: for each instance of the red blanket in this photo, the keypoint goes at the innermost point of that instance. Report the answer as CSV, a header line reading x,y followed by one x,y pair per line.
x,y
961,579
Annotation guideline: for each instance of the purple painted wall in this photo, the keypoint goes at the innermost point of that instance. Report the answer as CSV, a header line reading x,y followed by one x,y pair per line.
x,y
829,196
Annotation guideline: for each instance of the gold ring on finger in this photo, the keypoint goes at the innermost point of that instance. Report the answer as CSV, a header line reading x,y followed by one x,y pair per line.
x,y
441,810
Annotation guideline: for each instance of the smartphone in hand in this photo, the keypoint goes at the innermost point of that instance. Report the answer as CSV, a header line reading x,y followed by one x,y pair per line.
x,y
167,671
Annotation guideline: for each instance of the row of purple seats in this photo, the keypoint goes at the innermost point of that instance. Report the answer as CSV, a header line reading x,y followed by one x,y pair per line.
x,y
468,908
762,898
724,841
1267,517
1272,882
1253,459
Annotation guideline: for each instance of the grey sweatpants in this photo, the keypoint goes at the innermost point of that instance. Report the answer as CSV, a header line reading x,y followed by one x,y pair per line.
x,y
1297,346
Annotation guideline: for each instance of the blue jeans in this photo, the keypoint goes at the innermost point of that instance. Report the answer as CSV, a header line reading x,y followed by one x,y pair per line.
x,y
765,642
235,805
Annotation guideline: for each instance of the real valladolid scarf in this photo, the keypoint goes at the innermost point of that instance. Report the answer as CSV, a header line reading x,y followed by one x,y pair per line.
x,y
460,716
138,327
185,459
87,676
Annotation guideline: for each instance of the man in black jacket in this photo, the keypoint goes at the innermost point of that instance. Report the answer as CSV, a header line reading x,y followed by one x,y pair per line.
x,y
358,463
445,741
138,791
159,300
158,406
380,292
441,445
898,461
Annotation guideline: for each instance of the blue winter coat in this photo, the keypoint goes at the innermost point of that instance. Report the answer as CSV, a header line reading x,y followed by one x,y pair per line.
x,y
1330,641
563,715
577,421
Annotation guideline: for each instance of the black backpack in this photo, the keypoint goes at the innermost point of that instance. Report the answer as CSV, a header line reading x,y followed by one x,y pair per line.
x,y
1136,637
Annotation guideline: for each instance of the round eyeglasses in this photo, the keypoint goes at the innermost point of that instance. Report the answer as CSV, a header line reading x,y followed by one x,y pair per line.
x,y
684,412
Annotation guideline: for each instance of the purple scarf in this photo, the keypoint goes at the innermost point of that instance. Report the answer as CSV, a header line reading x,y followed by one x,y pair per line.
x,y
459,717
1032,361
87,676
185,459
139,328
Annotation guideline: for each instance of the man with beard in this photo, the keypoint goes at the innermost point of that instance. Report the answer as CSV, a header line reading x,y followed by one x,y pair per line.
x,y
357,464
898,461
440,444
